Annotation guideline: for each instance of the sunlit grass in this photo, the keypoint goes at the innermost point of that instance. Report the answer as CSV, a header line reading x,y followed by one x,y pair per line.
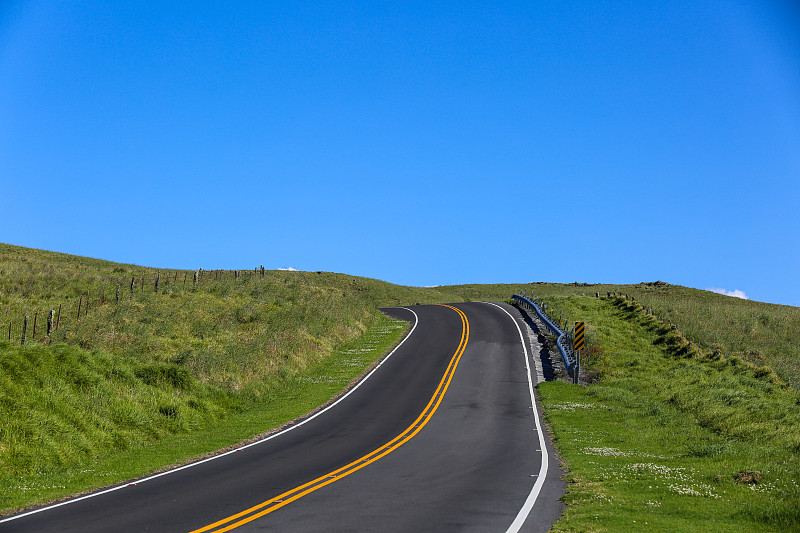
x,y
662,441
762,333
159,376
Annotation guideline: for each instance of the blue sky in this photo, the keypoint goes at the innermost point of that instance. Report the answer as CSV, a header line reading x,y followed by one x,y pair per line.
x,y
420,143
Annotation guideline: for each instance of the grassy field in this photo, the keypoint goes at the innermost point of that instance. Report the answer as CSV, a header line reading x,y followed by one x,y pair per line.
x,y
671,436
686,429
228,331
762,333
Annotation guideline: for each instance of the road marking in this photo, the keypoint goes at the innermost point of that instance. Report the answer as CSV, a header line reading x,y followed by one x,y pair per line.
x,y
264,508
292,426
523,513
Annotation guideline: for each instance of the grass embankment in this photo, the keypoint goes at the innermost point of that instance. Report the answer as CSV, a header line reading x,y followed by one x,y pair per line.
x,y
228,331
762,333
127,387
672,436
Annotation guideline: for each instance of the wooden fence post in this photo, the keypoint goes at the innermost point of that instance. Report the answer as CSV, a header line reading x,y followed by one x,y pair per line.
x,y
35,316
117,297
24,328
50,316
132,280
80,302
58,318
9,330
158,278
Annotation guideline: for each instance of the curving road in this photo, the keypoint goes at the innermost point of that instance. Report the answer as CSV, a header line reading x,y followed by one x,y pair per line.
x,y
442,436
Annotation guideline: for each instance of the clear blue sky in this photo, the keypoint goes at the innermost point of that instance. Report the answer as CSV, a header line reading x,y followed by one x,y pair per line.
x,y
415,142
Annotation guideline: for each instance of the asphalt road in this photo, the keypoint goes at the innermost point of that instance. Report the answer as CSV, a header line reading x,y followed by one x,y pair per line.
x,y
441,437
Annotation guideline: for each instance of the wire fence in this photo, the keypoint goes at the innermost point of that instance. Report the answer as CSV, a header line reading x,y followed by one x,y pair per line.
x,y
42,324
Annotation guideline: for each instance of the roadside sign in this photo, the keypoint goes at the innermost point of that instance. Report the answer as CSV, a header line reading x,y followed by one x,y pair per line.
x,y
579,327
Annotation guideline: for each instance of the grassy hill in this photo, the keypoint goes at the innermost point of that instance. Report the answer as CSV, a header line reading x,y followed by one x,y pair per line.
x,y
762,333
143,367
229,328
672,434
183,363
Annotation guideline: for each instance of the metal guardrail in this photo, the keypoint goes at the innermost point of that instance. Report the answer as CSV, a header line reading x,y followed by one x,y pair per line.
x,y
563,342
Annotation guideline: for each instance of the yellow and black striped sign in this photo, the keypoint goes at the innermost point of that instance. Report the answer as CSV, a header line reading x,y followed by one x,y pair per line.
x,y
579,327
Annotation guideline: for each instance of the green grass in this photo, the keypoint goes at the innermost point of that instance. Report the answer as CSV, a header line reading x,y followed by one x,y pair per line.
x,y
162,376
227,331
658,442
62,403
762,333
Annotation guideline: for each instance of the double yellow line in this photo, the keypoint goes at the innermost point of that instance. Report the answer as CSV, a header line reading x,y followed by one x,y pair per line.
x,y
262,509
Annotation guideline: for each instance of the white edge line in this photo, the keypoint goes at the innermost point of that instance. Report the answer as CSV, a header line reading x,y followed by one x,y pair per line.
x,y
265,439
523,513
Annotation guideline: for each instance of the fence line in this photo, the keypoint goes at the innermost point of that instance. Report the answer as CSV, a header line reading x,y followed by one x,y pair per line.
x,y
141,280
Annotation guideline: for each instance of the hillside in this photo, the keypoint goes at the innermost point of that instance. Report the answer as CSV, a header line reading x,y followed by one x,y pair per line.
x,y
176,354
228,328
184,362
671,435
762,333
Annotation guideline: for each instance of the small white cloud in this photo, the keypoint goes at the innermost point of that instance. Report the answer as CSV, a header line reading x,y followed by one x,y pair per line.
x,y
290,269
736,293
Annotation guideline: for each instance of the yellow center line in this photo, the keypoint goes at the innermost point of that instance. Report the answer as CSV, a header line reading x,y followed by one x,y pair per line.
x,y
264,508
